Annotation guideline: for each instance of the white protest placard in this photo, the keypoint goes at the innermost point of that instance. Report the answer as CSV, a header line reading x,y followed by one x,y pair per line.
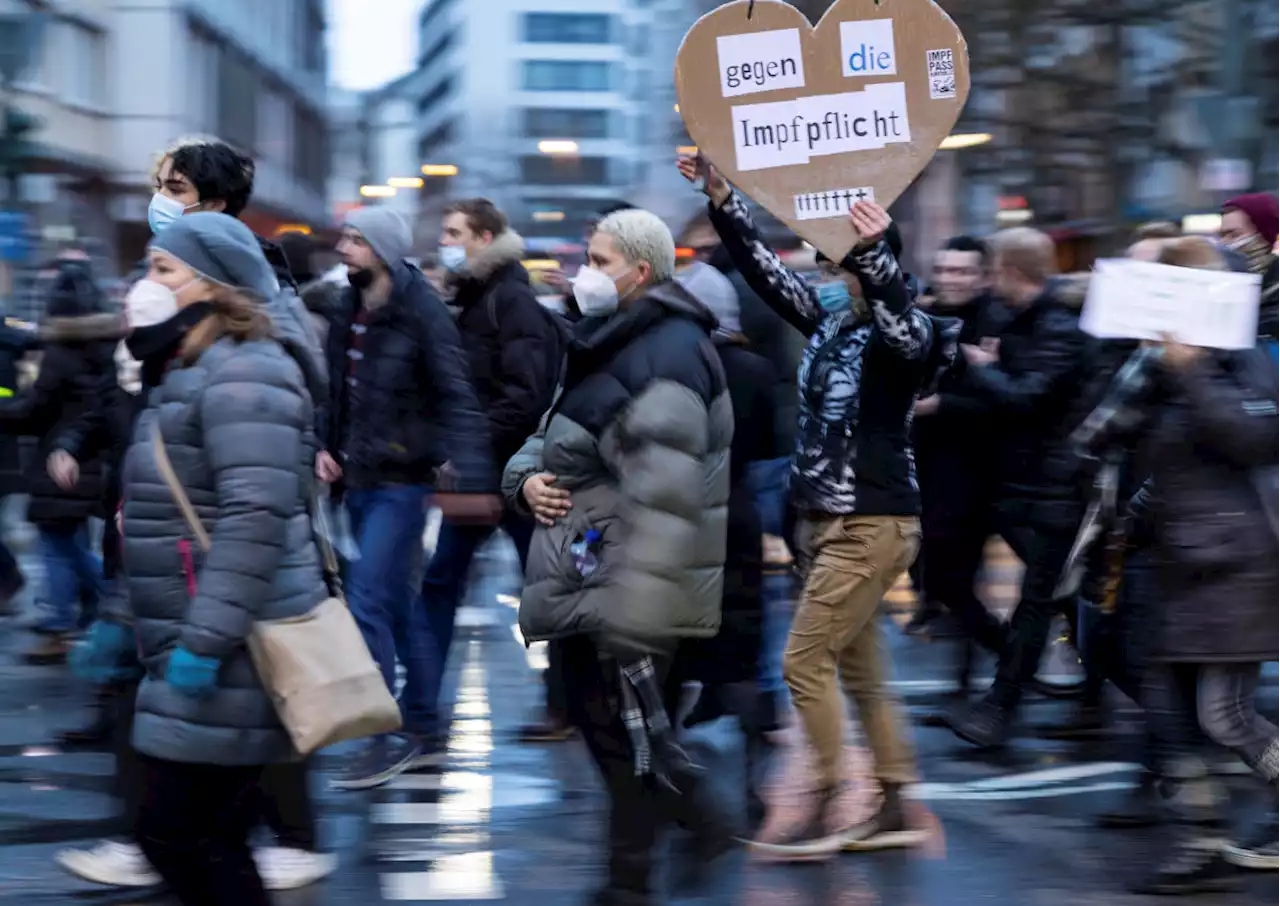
x,y
785,133
1138,300
760,61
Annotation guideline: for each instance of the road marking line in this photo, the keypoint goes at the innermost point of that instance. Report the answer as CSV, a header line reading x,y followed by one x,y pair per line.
x,y
932,792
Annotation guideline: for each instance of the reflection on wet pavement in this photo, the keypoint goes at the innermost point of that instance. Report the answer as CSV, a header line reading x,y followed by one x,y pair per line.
x,y
500,821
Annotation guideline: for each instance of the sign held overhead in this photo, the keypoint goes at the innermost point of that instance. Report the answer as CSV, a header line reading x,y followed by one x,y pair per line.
x,y
864,98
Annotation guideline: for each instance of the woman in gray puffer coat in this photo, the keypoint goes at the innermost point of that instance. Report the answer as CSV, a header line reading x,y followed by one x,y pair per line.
x,y
234,412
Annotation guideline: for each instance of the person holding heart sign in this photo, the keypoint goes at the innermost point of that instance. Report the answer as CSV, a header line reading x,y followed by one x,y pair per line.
x,y
871,353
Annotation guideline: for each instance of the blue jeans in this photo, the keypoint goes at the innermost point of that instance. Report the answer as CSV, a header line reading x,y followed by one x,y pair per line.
x,y
73,577
779,606
767,479
442,591
387,524
768,482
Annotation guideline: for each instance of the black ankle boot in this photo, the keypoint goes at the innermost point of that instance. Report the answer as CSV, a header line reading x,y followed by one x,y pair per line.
x,y
1141,806
102,720
1193,866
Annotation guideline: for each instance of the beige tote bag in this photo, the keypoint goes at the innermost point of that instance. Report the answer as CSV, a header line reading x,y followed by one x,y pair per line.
x,y
316,667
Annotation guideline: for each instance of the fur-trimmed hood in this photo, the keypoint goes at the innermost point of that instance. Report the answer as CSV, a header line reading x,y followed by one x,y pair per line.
x,y
83,328
507,248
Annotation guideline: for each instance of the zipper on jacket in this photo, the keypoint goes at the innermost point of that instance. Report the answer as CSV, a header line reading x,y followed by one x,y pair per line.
x,y
188,565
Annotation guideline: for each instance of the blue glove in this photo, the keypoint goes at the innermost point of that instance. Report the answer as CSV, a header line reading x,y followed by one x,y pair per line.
x,y
101,656
191,674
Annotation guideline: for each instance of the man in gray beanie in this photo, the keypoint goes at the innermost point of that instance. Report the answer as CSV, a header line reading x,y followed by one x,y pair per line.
x,y
401,406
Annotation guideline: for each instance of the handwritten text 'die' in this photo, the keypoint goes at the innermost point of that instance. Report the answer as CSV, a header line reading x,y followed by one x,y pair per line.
x,y
786,133
760,61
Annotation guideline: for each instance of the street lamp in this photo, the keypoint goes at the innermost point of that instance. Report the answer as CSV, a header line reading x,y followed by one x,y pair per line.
x,y
439,170
377,191
557,146
958,140
548,216
405,182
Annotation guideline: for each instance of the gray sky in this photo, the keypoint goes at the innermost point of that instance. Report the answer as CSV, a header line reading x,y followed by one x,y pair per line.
x,y
371,42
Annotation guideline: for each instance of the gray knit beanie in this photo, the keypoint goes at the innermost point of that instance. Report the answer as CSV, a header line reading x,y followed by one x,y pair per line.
x,y
386,231
221,249
714,290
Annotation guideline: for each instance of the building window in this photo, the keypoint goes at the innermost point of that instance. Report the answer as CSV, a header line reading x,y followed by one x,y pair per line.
x,y
566,75
545,170
439,136
310,148
238,86
548,122
567,28
274,127
86,65
441,91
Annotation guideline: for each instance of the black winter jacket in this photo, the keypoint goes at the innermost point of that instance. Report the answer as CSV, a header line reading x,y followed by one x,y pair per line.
x,y
15,342
1034,393
515,346
405,405
78,350
733,655
1213,436
776,340
956,446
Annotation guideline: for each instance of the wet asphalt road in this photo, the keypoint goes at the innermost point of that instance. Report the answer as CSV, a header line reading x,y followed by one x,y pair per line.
x,y
504,822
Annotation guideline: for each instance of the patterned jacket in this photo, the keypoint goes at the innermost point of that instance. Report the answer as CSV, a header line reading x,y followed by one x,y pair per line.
x,y
859,376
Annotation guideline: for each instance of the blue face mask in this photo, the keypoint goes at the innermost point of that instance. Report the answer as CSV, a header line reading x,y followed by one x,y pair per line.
x,y
452,257
834,297
163,211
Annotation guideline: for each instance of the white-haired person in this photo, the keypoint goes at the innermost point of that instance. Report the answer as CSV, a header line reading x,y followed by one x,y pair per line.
x,y
628,479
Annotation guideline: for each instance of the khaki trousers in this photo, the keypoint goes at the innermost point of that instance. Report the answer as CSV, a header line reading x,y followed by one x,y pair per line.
x,y
849,563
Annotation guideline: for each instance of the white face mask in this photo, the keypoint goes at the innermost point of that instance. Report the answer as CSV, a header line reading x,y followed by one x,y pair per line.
x,y
595,292
452,257
149,303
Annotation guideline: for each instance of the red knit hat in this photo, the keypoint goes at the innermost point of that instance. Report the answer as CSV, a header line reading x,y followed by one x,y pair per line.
x,y
1260,208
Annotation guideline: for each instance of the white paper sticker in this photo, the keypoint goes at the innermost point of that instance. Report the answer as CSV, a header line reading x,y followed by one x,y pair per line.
x,y
866,48
760,61
942,74
1137,300
831,203
786,133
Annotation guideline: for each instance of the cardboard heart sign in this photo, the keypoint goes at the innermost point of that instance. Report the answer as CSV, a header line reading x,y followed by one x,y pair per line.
x,y
806,120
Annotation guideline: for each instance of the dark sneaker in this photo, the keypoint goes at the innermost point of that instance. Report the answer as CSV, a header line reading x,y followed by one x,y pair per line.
x,y
1142,806
1258,851
431,752
814,840
1195,867
549,730
697,855
985,725
10,588
384,758
51,649
923,621
886,829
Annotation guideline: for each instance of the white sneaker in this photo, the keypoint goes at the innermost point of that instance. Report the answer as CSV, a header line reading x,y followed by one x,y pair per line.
x,y
285,868
111,863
